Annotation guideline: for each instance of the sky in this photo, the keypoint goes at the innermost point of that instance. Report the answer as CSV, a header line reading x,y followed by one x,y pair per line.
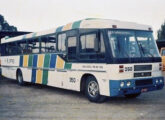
x,y
38,15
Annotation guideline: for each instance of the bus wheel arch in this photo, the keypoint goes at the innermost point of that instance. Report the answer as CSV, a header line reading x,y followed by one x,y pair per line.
x,y
86,80
83,81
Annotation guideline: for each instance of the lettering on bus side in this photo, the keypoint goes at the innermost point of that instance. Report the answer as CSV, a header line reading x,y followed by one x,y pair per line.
x,y
9,61
127,69
72,80
92,66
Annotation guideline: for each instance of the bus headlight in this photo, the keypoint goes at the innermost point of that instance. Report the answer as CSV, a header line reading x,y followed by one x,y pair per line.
x,y
161,80
128,84
122,84
157,81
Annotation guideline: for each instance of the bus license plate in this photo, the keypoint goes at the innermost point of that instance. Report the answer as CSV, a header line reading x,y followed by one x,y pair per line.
x,y
144,90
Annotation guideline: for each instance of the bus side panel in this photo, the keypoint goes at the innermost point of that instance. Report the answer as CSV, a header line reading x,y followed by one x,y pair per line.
x,y
9,66
64,79
73,80
5,72
56,79
10,61
103,82
97,70
8,72
27,73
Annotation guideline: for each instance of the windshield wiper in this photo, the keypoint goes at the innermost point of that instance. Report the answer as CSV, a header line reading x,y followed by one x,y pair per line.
x,y
145,52
141,48
150,54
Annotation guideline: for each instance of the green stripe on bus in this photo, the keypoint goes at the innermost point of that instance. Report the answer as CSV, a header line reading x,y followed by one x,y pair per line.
x,y
47,61
68,66
30,61
76,24
45,77
34,34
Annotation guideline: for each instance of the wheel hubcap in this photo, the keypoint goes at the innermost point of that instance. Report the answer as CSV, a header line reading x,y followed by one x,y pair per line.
x,y
93,89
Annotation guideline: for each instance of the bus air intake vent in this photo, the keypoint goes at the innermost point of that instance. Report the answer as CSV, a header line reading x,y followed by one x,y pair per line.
x,y
142,67
142,74
143,82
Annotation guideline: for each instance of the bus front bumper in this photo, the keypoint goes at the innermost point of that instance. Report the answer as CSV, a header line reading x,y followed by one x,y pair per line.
x,y
133,86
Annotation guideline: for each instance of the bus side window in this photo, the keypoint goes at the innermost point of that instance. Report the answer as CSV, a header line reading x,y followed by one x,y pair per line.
x,y
87,46
61,42
11,49
43,44
87,43
72,48
33,46
22,47
48,44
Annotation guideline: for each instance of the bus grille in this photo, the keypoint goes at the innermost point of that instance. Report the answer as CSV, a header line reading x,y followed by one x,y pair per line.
x,y
143,82
142,67
142,74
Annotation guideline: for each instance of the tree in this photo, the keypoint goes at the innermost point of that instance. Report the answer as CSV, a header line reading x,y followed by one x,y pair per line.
x,y
161,32
4,26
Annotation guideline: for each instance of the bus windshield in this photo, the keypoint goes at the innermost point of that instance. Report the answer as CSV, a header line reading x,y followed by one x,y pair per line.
x,y
132,44
147,44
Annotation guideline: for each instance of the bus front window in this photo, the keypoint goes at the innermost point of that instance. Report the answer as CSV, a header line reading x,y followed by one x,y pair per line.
x,y
123,44
147,44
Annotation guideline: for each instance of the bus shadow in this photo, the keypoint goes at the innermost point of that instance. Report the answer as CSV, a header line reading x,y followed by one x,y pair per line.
x,y
143,99
123,100
54,90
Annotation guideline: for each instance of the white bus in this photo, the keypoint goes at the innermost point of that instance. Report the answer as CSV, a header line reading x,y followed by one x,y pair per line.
x,y
101,57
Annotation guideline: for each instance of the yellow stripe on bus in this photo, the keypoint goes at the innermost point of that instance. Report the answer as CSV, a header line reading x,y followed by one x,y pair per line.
x,y
39,76
67,27
25,60
60,63
40,61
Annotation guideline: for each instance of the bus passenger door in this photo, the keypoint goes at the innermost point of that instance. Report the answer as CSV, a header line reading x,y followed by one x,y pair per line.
x,y
71,51
71,82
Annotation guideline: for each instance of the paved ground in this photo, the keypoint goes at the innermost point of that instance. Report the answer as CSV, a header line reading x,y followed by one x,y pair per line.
x,y
35,102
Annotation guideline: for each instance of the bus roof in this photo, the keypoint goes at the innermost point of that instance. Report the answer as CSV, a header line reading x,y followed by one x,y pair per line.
x,y
91,23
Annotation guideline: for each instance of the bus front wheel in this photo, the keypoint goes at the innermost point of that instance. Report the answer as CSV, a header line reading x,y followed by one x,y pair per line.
x,y
20,78
92,90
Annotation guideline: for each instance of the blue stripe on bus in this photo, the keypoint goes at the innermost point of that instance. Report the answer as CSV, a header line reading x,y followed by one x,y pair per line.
x,y
21,61
53,61
35,58
33,79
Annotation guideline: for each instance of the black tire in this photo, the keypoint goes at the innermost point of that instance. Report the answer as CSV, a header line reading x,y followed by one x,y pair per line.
x,y
93,95
20,78
130,96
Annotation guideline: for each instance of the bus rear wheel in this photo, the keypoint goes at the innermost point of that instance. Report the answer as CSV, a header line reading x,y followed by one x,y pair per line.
x,y
20,78
132,95
92,90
